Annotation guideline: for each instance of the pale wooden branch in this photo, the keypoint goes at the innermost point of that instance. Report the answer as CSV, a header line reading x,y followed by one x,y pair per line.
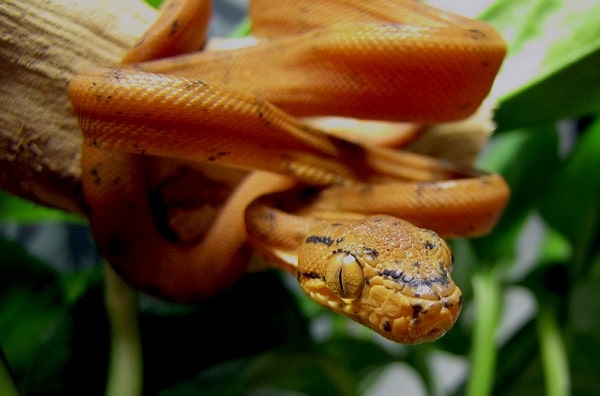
x,y
42,45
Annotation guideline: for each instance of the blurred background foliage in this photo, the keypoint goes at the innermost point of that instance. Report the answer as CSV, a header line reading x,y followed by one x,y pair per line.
x,y
531,318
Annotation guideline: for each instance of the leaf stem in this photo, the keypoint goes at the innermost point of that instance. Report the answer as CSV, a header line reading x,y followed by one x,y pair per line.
x,y
486,294
554,358
125,365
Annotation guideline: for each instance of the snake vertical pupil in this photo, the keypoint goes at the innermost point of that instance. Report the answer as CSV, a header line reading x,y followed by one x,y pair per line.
x,y
344,276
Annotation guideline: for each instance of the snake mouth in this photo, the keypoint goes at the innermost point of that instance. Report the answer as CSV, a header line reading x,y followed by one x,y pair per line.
x,y
393,314
409,319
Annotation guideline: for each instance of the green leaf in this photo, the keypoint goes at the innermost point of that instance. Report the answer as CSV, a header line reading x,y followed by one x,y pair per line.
x,y
358,355
519,364
565,94
555,248
75,284
242,29
554,50
487,301
584,328
585,315
7,384
585,365
154,3
18,210
25,319
571,203
308,371
519,156
34,323
222,379
258,313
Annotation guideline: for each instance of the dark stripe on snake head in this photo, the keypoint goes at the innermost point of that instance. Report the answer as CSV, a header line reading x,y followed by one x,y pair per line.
x,y
311,275
320,239
372,252
417,308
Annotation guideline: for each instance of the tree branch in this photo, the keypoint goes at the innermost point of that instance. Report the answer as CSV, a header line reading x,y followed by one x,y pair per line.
x,y
42,46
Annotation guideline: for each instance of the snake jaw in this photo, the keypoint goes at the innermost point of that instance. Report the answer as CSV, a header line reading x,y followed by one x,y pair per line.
x,y
411,320
384,273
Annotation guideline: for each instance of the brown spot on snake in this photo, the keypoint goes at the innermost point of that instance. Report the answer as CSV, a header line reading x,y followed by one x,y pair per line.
x,y
174,28
387,326
95,173
477,34
372,252
220,154
429,246
417,308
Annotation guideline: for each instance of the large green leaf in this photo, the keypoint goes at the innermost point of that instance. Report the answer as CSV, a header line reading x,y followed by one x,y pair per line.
x,y
551,67
584,328
523,157
572,202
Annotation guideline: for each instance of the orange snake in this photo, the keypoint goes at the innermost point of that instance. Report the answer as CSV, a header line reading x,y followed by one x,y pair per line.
x,y
323,209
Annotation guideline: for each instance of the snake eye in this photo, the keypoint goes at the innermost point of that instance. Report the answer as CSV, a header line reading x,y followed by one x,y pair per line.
x,y
344,276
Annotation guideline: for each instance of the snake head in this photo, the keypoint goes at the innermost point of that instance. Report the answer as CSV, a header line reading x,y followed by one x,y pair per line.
x,y
384,273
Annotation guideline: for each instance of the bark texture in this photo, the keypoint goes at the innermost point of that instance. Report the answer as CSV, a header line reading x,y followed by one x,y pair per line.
x,y
42,45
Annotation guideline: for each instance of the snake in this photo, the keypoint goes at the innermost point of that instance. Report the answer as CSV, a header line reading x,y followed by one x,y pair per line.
x,y
362,227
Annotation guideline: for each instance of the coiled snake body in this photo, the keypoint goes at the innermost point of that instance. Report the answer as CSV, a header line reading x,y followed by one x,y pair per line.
x,y
351,220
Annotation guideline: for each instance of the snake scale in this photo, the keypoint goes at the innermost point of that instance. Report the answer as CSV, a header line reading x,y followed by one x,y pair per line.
x,y
360,226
